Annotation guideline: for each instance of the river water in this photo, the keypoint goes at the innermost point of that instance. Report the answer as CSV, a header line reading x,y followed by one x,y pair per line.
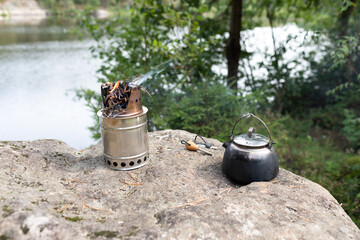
x,y
39,68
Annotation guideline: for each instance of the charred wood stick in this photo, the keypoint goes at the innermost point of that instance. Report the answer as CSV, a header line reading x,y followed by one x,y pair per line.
x,y
105,89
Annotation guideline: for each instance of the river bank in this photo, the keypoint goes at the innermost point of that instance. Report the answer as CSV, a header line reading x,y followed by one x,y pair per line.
x,y
30,12
21,11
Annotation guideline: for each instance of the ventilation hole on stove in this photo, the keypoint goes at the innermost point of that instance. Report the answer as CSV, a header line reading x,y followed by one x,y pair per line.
x,y
115,164
108,162
139,161
136,100
123,164
131,163
144,159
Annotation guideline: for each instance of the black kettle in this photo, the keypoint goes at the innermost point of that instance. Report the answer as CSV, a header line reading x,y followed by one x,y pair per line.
x,y
250,157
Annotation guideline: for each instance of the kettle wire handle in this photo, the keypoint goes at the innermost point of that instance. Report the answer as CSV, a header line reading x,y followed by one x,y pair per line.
x,y
247,116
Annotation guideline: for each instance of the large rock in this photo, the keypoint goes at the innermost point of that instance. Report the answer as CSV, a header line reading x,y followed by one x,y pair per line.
x,y
50,191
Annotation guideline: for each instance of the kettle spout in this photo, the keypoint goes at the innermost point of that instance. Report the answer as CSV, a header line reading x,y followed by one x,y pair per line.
x,y
225,144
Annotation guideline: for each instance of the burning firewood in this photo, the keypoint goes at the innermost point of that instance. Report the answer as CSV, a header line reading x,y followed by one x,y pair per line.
x,y
115,97
118,98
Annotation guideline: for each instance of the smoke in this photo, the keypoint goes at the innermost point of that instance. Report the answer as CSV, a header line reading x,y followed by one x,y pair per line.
x,y
156,71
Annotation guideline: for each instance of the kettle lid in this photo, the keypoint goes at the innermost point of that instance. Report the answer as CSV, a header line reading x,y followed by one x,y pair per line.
x,y
251,139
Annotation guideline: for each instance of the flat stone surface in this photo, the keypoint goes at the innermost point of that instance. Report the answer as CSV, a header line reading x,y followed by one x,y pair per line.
x,y
51,191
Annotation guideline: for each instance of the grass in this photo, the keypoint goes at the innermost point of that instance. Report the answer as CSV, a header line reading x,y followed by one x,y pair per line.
x,y
133,231
15,147
7,211
106,234
74,219
58,154
114,234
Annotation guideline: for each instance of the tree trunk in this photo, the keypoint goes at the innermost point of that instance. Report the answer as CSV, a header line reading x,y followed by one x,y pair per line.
x,y
233,49
103,4
343,20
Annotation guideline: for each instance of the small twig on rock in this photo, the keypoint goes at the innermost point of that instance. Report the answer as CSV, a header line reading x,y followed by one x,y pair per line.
x,y
97,209
335,202
264,184
192,203
133,177
66,207
307,220
226,189
67,162
84,205
135,184
75,180
297,186
129,193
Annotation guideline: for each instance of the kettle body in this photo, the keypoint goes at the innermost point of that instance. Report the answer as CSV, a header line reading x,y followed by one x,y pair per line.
x,y
246,165
250,157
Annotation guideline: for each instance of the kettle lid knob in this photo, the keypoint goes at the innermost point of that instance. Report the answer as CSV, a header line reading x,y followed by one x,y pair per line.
x,y
251,132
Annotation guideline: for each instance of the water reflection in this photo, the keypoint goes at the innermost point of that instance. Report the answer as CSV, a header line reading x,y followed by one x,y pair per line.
x,y
56,29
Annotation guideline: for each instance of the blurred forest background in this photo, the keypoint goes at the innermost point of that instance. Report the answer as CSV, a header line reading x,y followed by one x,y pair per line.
x,y
308,93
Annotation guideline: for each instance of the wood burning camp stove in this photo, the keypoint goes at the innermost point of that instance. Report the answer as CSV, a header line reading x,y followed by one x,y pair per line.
x,y
123,122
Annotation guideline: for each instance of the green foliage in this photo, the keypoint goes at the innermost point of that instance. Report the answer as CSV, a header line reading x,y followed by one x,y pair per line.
x,y
57,4
351,128
93,102
95,3
208,109
156,33
345,58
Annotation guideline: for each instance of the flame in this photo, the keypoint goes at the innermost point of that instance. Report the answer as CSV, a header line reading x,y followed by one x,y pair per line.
x,y
115,87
